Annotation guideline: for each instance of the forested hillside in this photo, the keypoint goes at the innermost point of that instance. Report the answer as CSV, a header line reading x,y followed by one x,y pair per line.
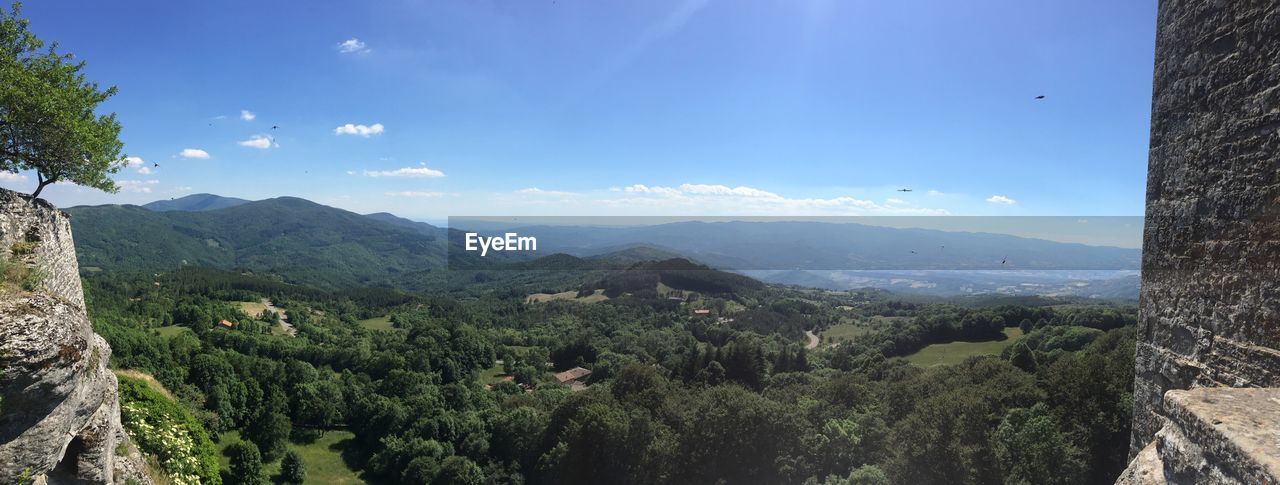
x,y
299,240
688,383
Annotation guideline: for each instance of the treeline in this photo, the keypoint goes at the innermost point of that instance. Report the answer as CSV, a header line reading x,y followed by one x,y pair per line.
x,y
672,397
948,323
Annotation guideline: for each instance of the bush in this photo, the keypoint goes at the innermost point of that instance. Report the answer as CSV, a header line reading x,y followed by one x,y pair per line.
x,y
292,469
164,429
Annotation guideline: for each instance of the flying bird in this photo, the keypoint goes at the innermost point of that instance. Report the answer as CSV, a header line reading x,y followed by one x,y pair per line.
x,y
156,164
913,251
274,127
904,190
1040,96
1002,261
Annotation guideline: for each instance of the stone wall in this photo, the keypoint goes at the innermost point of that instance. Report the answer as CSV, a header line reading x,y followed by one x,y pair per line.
x,y
59,406
1210,300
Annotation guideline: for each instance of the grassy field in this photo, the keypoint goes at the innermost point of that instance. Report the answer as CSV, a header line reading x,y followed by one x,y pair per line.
x,y
842,332
492,375
956,352
323,458
172,331
251,308
382,323
598,296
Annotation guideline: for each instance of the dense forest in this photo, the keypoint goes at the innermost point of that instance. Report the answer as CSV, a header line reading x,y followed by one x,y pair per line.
x,y
727,395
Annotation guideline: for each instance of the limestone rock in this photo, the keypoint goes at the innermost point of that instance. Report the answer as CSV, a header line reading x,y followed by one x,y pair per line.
x,y
59,406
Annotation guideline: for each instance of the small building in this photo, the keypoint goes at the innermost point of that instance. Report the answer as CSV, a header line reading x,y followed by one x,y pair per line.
x,y
225,323
574,375
702,311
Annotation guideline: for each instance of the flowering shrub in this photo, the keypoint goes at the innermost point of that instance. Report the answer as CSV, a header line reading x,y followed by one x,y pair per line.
x,y
164,429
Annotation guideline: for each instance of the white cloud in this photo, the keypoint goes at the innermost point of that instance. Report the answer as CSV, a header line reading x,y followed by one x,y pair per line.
x,y
261,142
247,115
1000,199
194,153
361,130
352,46
934,193
138,164
140,186
549,193
644,189
414,194
742,199
892,200
12,177
421,171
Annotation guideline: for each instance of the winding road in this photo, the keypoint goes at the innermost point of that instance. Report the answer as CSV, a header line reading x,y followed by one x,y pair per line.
x,y
813,340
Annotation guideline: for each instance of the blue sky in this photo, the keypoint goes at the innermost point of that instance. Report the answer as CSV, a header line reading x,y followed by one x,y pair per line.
x,y
604,107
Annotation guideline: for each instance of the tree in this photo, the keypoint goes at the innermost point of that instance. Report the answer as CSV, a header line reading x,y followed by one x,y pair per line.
x,y
292,469
47,119
458,470
246,463
269,431
1032,450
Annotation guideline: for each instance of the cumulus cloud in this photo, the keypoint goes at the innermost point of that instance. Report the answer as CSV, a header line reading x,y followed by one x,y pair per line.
x,y
892,200
935,193
247,115
261,142
359,130
541,192
194,153
140,186
352,46
1000,199
421,171
12,177
740,199
138,164
414,194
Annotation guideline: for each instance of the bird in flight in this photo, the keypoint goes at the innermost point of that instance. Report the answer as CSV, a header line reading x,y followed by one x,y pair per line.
x,y
913,251
1002,261
1040,96
156,164
904,190
274,127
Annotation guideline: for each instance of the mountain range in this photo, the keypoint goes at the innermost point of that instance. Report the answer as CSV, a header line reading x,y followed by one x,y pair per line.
x,y
305,242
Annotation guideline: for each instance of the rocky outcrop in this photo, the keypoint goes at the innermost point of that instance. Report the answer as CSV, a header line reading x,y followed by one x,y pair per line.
x,y
1213,436
59,407
1210,299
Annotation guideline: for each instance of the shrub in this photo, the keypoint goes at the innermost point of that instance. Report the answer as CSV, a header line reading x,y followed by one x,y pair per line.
x,y
166,430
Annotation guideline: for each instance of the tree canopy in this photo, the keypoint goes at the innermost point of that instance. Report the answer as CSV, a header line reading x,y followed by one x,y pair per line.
x,y
47,113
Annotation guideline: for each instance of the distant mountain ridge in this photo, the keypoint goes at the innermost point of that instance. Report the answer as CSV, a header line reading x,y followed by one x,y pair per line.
x,y
790,245
195,203
309,243
301,240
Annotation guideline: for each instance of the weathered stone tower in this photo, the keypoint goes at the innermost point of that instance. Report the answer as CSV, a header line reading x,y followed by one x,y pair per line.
x,y
1210,304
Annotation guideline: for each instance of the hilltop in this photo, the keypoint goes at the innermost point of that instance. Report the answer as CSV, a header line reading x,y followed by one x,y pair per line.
x,y
195,202
297,239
